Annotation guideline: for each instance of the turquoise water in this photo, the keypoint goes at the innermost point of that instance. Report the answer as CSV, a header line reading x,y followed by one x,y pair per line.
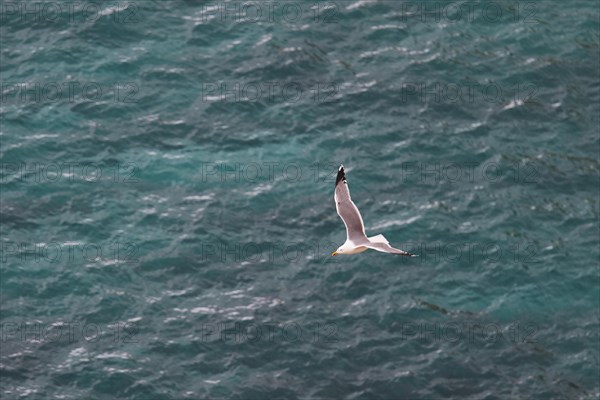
x,y
167,200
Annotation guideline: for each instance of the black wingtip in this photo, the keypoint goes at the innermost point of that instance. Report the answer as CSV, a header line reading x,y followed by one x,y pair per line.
x,y
340,175
407,254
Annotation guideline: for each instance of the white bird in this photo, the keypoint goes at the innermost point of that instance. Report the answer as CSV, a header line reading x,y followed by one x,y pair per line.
x,y
356,239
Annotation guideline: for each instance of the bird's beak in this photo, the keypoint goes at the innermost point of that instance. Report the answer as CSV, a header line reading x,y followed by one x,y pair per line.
x,y
334,254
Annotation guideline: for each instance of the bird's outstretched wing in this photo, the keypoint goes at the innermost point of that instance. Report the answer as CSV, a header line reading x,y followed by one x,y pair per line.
x,y
347,210
386,248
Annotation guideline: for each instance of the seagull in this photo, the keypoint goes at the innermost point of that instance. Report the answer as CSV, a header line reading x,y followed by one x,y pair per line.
x,y
356,239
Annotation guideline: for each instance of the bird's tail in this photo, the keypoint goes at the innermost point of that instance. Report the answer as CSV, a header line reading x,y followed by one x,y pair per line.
x,y
378,239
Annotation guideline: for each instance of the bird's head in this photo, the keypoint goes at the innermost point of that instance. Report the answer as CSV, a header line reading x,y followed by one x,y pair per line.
x,y
341,250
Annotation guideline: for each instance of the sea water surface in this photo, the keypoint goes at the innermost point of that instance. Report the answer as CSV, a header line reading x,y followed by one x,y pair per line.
x,y
167,199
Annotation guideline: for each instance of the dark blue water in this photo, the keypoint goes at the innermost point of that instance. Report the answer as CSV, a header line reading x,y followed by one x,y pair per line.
x,y
167,200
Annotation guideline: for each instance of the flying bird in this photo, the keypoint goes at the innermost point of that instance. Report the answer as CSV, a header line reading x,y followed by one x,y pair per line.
x,y
356,238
